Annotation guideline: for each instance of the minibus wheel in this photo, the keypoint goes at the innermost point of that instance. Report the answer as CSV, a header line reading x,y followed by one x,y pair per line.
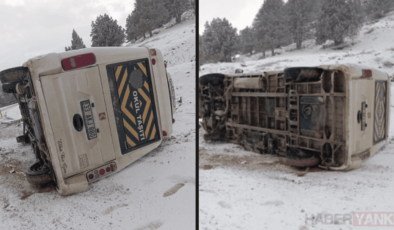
x,y
211,136
9,87
37,174
14,74
215,78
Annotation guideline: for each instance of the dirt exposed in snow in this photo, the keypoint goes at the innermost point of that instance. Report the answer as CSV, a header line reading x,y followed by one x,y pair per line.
x,y
251,162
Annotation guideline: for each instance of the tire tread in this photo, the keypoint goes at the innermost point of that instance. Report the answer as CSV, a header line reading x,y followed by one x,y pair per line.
x,y
13,74
38,177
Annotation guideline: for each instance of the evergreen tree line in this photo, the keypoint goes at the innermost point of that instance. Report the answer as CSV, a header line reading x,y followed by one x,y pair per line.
x,y
278,23
146,16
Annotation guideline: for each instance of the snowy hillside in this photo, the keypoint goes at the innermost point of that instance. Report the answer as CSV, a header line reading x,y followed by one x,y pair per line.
x,y
373,47
245,190
176,47
156,192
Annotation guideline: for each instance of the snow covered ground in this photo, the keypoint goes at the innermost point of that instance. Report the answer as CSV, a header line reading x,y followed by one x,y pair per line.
x,y
244,190
156,192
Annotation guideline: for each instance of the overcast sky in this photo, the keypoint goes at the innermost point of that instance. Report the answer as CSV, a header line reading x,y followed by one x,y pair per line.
x,y
32,27
240,13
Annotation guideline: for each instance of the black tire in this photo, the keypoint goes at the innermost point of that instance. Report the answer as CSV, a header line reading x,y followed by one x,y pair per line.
x,y
23,139
38,175
14,74
211,136
213,78
302,162
9,87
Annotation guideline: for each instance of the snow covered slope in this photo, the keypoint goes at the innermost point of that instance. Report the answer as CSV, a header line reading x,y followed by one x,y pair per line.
x,y
176,47
156,192
373,47
245,190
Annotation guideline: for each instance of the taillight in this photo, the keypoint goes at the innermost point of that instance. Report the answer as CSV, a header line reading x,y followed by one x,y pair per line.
x,y
164,133
153,61
173,120
367,73
78,61
101,172
165,65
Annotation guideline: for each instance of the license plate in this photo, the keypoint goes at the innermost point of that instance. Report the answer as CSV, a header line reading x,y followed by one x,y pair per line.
x,y
91,131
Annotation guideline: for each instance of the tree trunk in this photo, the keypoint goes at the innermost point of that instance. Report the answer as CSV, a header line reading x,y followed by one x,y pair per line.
x,y
272,51
178,18
150,33
299,44
339,41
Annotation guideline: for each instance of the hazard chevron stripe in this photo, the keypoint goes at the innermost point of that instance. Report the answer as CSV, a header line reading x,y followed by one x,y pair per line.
x,y
118,72
139,124
142,67
147,106
147,111
130,141
146,86
153,133
149,124
380,112
123,107
131,130
124,100
123,80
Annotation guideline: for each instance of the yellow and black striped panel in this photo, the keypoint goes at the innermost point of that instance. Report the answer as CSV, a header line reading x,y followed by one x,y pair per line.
x,y
136,104
380,125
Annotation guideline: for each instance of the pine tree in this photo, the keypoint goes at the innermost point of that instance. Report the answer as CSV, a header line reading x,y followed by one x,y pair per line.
x,y
146,16
201,51
269,24
316,9
247,40
106,32
220,38
76,42
154,15
378,8
298,19
132,21
338,19
176,8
